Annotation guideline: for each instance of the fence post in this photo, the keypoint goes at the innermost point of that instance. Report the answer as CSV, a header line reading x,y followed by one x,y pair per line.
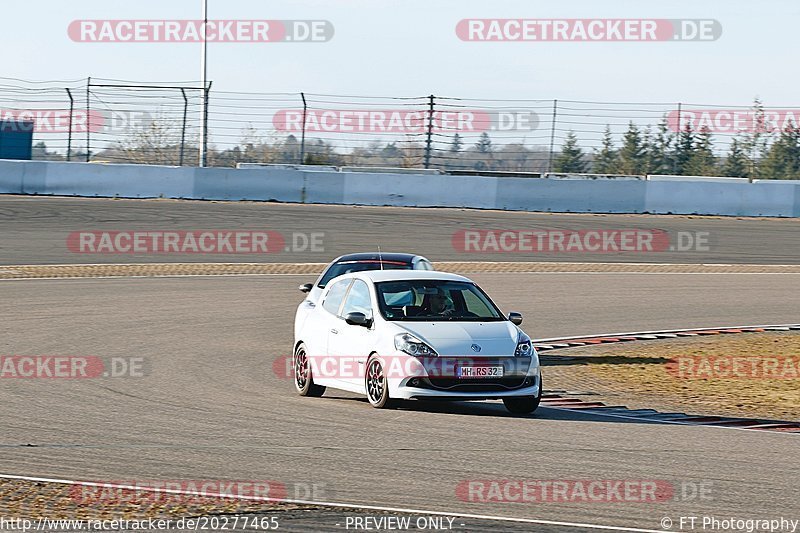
x,y
429,135
677,141
204,140
88,118
69,132
183,128
552,137
303,131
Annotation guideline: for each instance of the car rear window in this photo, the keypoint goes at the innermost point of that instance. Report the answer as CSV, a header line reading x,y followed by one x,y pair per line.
x,y
360,266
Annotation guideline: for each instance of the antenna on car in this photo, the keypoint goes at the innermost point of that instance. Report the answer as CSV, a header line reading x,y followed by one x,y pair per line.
x,y
380,258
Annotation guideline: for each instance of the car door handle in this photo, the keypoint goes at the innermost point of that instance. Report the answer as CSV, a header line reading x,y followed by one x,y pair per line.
x,y
334,331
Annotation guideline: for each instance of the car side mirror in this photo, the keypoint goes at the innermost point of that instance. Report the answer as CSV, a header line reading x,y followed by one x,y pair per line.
x,y
515,318
306,287
358,319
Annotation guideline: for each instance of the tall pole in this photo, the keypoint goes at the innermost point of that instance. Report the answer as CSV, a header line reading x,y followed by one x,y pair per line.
x,y
677,140
69,133
204,96
183,128
88,120
429,133
552,136
303,134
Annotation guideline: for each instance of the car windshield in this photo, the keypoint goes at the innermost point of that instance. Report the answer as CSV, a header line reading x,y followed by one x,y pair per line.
x,y
345,267
435,300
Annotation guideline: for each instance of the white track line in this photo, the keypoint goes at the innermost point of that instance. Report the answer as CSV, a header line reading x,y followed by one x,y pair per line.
x,y
447,263
334,504
575,272
652,332
572,273
159,276
588,411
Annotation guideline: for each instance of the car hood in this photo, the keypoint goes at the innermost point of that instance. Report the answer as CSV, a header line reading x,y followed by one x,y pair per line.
x,y
457,338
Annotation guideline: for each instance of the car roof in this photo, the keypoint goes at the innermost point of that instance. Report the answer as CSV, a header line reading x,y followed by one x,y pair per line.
x,y
399,275
374,256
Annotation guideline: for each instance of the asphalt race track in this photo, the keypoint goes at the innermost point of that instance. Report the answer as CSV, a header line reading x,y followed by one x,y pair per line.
x,y
210,405
35,231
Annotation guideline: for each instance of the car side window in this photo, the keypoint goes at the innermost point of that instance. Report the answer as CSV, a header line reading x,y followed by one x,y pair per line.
x,y
473,304
335,296
358,300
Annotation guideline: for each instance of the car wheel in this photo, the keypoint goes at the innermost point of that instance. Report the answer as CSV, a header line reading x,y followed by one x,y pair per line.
x,y
524,405
376,385
303,379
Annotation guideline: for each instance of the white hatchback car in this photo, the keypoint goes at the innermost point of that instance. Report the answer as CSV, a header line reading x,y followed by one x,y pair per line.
x,y
396,334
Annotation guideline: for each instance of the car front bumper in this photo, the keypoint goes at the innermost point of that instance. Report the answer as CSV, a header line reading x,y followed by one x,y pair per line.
x,y
452,388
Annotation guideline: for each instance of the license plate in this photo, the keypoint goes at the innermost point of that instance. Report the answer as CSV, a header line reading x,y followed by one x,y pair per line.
x,y
480,372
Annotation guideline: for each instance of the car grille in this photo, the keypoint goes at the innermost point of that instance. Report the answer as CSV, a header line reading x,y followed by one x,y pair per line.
x,y
515,376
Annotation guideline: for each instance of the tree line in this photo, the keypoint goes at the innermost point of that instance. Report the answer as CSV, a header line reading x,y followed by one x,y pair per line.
x,y
759,154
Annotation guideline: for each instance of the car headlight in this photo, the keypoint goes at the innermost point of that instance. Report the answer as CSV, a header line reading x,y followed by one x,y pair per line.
x,y
524,346
408,343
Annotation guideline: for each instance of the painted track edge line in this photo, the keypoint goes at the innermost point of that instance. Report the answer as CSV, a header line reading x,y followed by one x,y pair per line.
x,y
634,333
334,504
588,411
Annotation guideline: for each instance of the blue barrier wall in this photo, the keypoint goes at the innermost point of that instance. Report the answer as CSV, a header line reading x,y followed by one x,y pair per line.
x,y
561,193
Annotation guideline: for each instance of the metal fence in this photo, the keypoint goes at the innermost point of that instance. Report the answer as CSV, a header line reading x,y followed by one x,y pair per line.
x,y
160,123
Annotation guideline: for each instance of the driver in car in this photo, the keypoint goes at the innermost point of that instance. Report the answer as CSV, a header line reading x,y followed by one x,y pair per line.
x,y
438,305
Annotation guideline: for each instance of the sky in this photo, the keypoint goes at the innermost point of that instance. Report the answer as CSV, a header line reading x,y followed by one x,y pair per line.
x,y
411,48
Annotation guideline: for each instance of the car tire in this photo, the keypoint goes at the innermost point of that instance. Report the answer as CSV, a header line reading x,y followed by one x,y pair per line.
x,y
303,378
376,385
523,405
